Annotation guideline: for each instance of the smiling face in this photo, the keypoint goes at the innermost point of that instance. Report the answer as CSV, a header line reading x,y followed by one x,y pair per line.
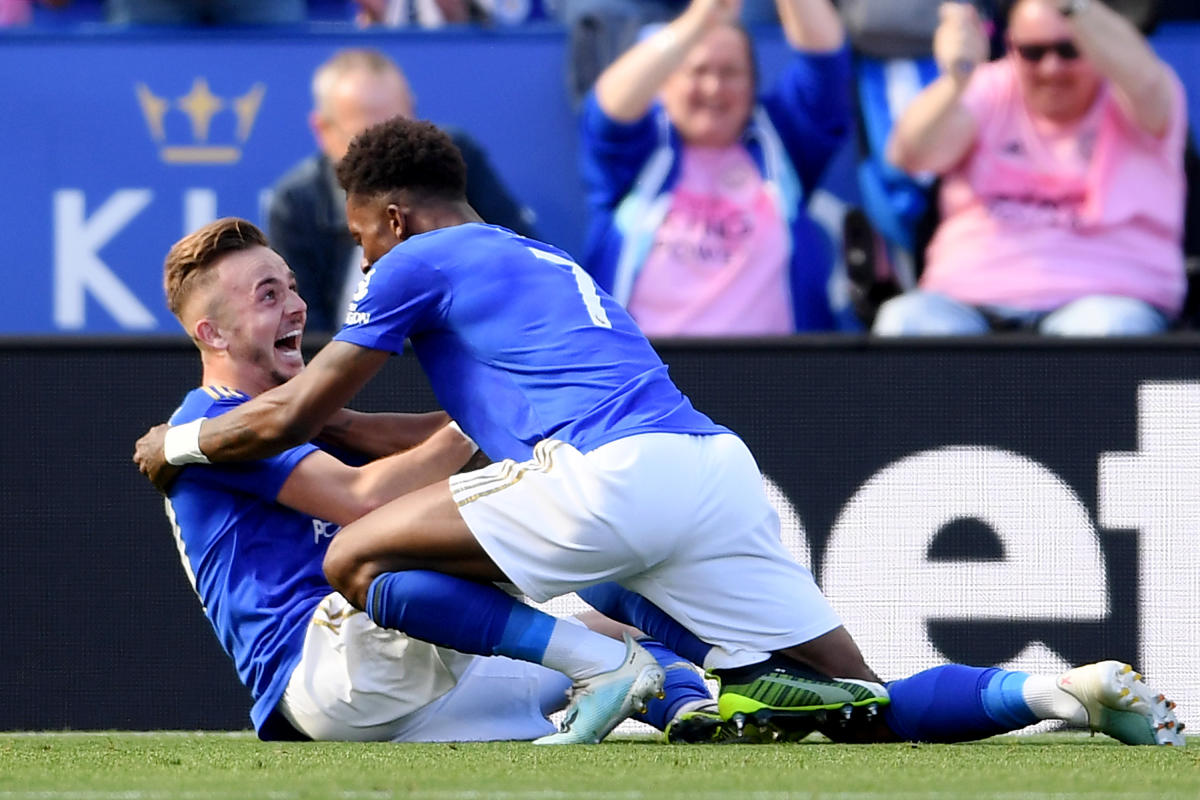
x,y
1054,87
710,96
253,319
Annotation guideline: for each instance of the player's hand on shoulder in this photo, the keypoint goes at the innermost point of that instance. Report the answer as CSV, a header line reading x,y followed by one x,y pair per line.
x,y
151,460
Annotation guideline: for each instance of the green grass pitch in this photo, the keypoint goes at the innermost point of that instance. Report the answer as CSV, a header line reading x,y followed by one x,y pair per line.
x,y
199,766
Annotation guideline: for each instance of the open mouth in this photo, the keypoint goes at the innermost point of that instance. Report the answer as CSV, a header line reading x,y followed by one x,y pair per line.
x,y
288,343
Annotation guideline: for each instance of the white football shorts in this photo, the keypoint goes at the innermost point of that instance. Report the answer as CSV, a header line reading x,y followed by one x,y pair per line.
x,y
357,681
682,520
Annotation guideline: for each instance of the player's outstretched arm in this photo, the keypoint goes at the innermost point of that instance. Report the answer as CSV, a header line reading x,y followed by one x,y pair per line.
x,y
380,434
295,412
270,423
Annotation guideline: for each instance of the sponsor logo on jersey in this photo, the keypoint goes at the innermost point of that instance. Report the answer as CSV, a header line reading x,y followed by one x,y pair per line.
x,y
323,530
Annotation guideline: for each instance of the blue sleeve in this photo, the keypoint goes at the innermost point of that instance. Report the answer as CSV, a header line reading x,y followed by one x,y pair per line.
x,y
612,153
810,106
263,478
400,296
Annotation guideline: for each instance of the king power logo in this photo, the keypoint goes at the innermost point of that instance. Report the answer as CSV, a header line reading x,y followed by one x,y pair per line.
x,y
201,106
197,128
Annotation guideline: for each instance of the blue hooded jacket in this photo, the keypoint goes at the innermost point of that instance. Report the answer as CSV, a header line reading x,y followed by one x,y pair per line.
x,y
794,130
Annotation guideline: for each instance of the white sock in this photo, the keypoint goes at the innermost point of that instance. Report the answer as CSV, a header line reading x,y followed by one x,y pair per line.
x,y
1047,701
581,653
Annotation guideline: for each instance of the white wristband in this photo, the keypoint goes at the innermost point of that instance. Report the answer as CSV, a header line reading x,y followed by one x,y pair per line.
x,y
455,426
182,445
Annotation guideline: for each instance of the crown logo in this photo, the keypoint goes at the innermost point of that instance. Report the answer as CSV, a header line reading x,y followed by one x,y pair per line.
x,y
201,107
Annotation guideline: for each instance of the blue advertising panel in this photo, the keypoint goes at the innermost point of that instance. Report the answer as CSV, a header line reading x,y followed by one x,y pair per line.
x,y
112,146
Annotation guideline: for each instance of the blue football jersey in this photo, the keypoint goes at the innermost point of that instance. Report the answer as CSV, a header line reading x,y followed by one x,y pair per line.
x,y
255,564
518,342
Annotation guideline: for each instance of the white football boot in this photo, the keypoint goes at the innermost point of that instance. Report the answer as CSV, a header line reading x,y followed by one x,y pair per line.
x,y
603,702
1120,704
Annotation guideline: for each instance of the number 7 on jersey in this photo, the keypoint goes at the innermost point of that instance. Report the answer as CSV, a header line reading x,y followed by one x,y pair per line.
x,y
585,284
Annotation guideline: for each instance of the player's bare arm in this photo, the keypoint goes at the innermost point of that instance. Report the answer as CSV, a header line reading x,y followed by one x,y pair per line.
x,y
283,417
381,434
294,412
324,487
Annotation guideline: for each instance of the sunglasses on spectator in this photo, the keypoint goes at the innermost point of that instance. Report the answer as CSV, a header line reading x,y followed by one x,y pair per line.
x,y
1033,53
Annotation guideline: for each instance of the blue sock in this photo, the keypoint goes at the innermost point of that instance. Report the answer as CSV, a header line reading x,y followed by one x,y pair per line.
x,y
957,703
460,614
1004,700
683,685
617,602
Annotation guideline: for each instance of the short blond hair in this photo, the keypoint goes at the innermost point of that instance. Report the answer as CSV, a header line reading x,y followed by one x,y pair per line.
x,y
190,260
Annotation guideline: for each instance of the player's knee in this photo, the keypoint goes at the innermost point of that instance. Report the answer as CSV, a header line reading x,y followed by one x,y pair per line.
x,y
347,573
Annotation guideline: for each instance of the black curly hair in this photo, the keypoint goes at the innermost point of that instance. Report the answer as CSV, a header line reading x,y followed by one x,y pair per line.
x,y
404,154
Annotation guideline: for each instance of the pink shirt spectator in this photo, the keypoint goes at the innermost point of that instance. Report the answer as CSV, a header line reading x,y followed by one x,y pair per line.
x,y
1037,216
718,264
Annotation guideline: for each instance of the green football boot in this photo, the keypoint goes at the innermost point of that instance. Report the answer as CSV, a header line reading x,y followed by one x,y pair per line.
x,y
783,701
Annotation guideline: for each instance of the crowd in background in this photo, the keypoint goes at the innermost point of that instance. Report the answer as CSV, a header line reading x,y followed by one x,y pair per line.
x,y
1026,169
